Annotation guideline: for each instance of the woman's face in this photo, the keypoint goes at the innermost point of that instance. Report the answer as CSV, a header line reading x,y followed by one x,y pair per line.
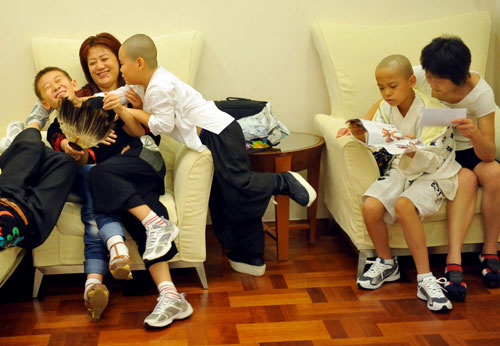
x,y
439,85
104,67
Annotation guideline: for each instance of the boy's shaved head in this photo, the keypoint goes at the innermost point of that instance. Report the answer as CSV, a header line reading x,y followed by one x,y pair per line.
x,y
399,62
141,45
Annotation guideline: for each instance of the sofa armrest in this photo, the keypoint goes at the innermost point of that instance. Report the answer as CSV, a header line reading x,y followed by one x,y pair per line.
x,y
348,170
192,180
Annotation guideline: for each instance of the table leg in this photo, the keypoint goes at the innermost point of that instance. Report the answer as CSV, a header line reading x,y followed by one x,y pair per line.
x,y
282,210
313,178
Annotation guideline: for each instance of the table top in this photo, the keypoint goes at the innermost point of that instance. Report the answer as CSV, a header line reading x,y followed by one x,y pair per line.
x,y
296,141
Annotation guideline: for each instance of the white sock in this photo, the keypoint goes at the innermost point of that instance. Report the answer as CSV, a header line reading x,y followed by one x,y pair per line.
x,y
168,288
420,277
119,249
153,218
89,283
389,261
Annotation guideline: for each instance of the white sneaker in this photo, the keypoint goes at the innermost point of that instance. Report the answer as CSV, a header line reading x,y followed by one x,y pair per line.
x,y
429,289
167,310
159,240
13,129
378,273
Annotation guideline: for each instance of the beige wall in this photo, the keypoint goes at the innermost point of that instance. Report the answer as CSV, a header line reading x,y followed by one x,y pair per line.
x,y
260,49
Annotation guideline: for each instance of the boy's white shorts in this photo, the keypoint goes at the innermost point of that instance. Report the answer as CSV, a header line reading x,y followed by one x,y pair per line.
x,y
424,194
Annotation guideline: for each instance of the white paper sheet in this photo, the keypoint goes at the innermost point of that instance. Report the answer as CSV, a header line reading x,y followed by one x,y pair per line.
x,y
441,116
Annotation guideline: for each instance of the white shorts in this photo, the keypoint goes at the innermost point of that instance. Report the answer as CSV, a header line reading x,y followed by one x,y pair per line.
x,y
424,194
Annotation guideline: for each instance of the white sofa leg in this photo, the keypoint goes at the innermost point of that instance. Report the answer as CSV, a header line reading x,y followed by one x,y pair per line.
x,y
37,282
200,269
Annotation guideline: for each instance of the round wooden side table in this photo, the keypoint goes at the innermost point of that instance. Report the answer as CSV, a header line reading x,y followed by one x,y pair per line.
x,y
296,152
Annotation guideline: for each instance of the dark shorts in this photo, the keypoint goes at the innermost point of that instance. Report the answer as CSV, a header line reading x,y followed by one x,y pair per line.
x,y
467,158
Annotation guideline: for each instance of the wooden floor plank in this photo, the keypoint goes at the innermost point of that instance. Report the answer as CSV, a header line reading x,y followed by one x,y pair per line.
x,y
309,300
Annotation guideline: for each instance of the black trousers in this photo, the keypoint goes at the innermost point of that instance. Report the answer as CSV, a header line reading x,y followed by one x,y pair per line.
x,y
38,179
124,182
239,196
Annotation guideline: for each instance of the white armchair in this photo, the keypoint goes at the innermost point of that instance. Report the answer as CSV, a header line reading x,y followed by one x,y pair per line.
x,y
349,55
187,182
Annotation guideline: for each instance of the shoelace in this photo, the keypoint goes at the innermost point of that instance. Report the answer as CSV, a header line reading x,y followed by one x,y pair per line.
x,y
434,287
152,237
164,301
376,267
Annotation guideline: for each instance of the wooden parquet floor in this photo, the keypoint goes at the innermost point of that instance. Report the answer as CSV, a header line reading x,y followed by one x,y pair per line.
x,y
309,300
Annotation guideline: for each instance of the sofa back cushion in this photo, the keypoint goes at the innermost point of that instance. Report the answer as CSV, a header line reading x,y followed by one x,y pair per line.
x,y
349,53
177,52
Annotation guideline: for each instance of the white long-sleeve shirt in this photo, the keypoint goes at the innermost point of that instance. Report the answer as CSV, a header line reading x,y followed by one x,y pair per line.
x,y
176,109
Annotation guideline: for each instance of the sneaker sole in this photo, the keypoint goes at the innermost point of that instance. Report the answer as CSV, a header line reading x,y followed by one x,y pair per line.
x,y
389,279
98,302
247,268
442,308
310,190
181,316
154,256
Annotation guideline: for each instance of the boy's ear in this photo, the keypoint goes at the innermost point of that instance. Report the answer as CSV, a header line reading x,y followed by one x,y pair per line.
x,y
74,84
413,80
45,105
141,63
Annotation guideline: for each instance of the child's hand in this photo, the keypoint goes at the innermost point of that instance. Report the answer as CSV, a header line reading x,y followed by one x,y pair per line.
x,y
357,130
66,147
134,98
110,139
465,126
343,132
112,101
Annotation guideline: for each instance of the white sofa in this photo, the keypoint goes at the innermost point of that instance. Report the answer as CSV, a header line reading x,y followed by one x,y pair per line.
x,y
349,55
187,182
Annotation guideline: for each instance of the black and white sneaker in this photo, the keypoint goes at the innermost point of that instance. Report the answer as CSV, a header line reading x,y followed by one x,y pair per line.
x,y
430,290
295,186
247,265
378,273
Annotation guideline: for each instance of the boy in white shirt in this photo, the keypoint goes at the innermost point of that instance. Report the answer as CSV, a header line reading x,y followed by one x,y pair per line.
x,y
239,196
414,187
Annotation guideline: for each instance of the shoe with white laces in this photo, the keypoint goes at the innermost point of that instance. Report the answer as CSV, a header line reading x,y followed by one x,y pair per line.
x,y
167,310
430,290
159,239
378,273
13,129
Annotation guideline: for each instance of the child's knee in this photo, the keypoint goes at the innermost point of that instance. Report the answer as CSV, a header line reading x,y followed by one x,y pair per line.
x,y
404,208
373,209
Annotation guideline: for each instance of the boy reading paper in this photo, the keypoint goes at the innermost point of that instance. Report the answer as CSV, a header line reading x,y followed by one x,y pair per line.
x,y
415,185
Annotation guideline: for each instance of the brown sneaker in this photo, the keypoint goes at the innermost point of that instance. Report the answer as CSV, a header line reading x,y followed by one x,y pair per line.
x,y
119,266
96,300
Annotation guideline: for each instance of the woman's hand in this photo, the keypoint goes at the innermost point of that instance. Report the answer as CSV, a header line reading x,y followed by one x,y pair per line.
x,y
66,147
134,98
110,139
465,126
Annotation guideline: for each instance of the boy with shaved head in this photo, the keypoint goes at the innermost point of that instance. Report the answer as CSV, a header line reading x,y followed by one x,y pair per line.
x,y
239,196
415,185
